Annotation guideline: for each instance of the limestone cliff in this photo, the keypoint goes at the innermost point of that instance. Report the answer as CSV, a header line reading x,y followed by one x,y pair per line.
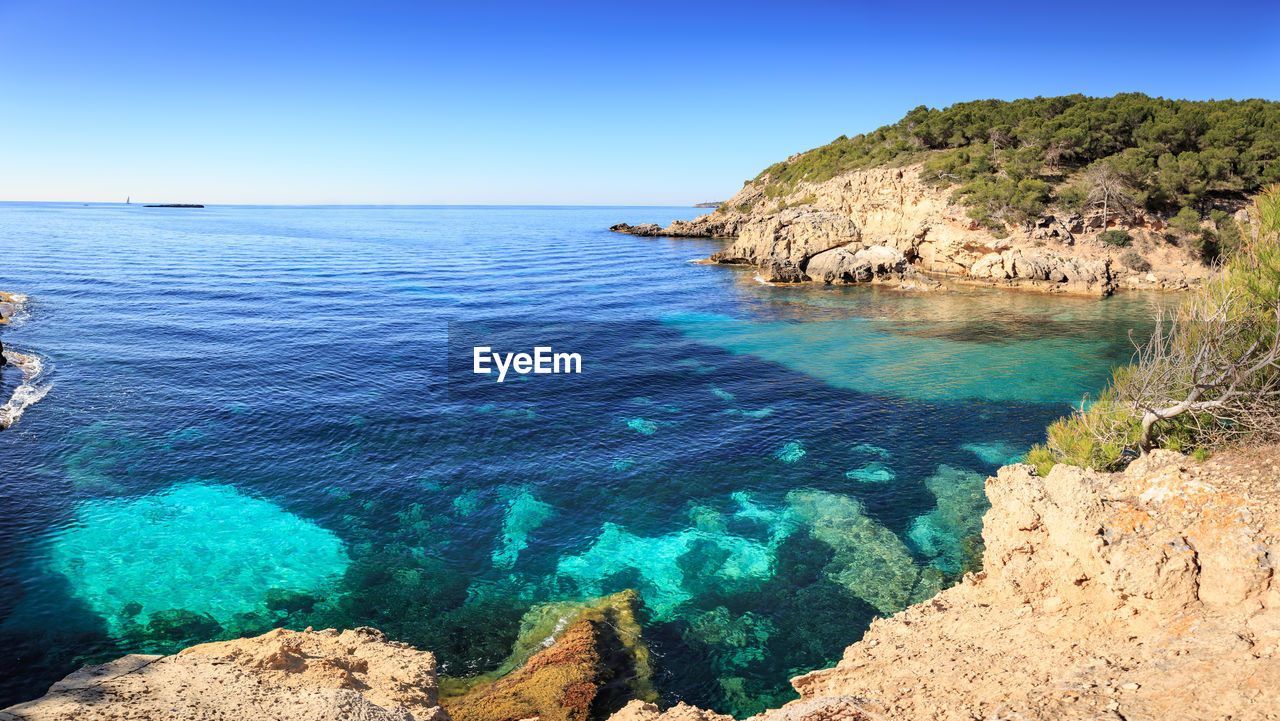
x,y
816,231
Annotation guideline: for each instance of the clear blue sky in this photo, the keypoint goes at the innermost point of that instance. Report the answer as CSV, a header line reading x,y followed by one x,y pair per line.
x,y
528,102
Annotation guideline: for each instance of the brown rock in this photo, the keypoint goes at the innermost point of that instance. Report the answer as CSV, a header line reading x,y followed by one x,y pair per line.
x,y
298,676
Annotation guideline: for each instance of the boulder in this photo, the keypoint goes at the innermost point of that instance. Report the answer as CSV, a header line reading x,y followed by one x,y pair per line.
x,y
794,235
838,265
882,259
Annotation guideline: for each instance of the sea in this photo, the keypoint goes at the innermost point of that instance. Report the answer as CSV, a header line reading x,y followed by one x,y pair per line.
x,y
234,418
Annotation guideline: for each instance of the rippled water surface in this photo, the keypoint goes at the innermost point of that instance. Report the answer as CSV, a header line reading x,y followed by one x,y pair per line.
x,y
266,416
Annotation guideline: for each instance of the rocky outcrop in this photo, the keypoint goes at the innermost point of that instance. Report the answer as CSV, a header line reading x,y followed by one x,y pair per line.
x,y
713,225
6,310
574,660
24,379
802,244
863,265
792,236
893,208
638,710
300,676
1040,269
1144,595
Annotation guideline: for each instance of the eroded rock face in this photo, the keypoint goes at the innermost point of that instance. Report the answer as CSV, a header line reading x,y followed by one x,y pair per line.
x,y
795,235
572,661
1045,270
803,244
892,207
856,265
302,676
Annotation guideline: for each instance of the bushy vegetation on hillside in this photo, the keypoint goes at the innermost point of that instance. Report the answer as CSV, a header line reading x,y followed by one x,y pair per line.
x,y
1012,159
1209,376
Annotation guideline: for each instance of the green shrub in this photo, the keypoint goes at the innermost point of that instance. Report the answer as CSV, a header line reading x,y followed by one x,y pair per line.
x,y
1072,198
1105,435
1230,238
1134,260
1186,222
1118,238
1206,244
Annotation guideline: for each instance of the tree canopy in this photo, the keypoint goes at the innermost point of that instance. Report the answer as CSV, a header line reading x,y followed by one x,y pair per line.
x,y
1012,158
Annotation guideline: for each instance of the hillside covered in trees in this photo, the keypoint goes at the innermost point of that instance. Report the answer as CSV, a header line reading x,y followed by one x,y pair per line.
x,y
1010,161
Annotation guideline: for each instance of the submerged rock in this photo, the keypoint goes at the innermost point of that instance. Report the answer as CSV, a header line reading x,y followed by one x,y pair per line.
x,y
951,532
524,515
289,601
874,472
673,568
180,624
869,560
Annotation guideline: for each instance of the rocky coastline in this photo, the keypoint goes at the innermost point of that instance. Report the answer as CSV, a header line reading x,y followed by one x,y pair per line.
x,y
886,225
1145,594
29,386
7,304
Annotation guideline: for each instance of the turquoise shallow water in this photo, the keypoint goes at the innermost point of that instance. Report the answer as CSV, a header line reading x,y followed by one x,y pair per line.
x,y
265,416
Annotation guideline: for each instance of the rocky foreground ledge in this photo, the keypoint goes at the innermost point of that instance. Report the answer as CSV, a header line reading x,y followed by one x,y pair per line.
x,y
885,225
1148,594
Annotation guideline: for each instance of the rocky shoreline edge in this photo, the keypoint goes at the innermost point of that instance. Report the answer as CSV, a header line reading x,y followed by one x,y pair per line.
x,y
29,387
1144,594
885,225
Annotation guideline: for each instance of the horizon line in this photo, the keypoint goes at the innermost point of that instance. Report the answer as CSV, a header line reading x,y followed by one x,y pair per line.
x,y
362,205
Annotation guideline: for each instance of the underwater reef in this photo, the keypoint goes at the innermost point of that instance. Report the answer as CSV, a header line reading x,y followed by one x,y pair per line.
x,y
1147,594
142,564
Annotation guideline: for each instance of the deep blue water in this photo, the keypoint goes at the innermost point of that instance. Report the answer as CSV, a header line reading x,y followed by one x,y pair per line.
x,y
245,400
